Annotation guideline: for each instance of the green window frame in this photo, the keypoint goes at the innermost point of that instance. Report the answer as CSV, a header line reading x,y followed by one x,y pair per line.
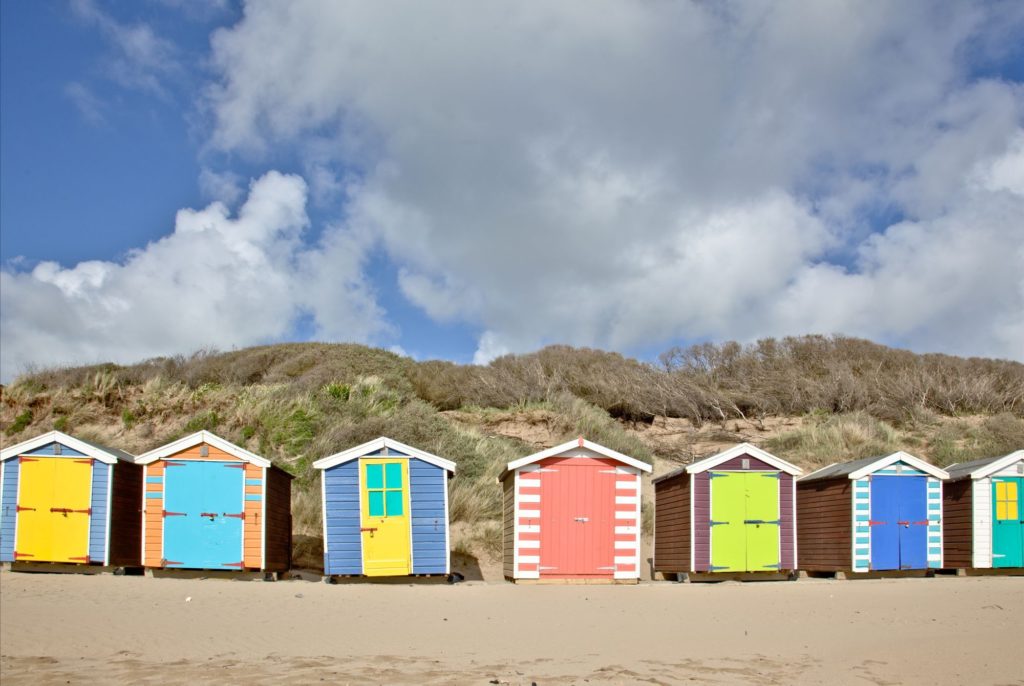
x,y
384,490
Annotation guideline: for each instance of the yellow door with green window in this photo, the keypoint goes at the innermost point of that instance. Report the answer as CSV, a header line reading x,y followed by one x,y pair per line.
x,y
384,521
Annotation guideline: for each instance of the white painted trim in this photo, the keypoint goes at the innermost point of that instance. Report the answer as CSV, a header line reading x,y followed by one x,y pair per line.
x,y
627,499
627,515
197,438
359,485
998,465
59,437
625,545
263,519
515,527
242,532
693,528
530,514
529,498
323,518
743,449
899,456
17,516
382,443
569,445
110,500
447,527
529,544
408,509
142,558
982,523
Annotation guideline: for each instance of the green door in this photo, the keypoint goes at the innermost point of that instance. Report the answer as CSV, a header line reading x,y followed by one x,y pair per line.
x,y
744,521
1007,522
762,521
728,532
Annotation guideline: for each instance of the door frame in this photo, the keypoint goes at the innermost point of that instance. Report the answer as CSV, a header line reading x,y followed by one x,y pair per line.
x,y
21,483
163,523
364,506
711,496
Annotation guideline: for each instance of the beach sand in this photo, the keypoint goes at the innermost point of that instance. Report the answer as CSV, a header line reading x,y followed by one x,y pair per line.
x,y
69,629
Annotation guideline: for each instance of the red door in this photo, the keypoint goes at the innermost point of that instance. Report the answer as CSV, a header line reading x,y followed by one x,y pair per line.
x,y
577,517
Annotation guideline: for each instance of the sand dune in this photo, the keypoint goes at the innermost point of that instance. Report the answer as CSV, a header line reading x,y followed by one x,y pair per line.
x,y
132,630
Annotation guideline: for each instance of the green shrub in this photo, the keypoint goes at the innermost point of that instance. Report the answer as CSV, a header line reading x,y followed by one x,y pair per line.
x,y
19,423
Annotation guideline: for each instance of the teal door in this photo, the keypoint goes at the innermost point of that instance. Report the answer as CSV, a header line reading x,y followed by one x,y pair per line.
x,y
1007,521
203,510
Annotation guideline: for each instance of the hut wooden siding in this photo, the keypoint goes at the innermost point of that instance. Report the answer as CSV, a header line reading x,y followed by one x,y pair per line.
x,y
672,526
683,512
825,538
574,514
975,528
852,515
361,541
254,491
98,498
957,524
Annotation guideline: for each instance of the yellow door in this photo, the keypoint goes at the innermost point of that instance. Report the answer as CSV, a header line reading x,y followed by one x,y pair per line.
x,y
53,510
384,520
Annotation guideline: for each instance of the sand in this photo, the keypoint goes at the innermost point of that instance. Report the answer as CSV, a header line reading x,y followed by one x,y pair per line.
x,y
67,629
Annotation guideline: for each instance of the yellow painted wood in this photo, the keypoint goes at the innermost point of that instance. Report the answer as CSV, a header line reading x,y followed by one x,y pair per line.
x,y
46,484
386,538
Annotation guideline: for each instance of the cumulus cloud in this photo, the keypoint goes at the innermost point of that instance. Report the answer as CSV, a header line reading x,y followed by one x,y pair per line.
x,y
628,173
217,281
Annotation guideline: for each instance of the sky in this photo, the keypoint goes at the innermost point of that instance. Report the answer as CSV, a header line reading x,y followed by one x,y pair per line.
x,y
462,180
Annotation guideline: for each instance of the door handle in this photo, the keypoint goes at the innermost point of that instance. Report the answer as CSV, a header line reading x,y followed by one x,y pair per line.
x,y
211,515
368,529
582,520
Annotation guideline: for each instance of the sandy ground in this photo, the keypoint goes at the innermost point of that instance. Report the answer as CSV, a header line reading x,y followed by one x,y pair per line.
x,y
58,629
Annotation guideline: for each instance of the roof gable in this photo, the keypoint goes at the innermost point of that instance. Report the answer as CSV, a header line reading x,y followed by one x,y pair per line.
x,y
378,444
197,438
99,452
858,469
979,469
569,445
743,449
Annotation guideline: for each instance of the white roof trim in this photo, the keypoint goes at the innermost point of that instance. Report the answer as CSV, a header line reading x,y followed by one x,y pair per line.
x,y
62,438
997,465
197,438
577,443
379,444
899,456
743,449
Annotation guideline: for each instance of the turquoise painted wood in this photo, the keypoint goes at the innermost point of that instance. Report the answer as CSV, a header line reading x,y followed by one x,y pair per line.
x,y
199,496
1007,521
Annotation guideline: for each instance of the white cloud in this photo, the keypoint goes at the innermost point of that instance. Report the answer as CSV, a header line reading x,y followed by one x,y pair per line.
x,y
218,281
627,173
225,186
88,105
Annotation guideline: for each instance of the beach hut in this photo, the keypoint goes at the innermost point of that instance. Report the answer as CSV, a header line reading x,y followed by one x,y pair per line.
x,y
212,505
731,512
983,513
572,512
385,510
63,499
874,514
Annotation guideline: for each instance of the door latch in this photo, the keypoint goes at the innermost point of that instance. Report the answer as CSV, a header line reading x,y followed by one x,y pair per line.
x,y
582,520
212,515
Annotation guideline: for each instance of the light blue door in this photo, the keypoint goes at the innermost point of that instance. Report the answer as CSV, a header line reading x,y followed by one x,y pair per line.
x,y
202,526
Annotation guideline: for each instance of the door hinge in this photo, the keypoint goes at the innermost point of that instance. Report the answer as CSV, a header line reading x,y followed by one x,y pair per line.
x,y
165,562
715,568
85,559
776,565
714,523
240,565
875,522
20,508
174,514
772,475
235,466
88,460
28,459
236,516
18,555
168,463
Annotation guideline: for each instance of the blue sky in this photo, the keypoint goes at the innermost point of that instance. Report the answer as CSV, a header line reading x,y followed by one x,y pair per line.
x,y
464,181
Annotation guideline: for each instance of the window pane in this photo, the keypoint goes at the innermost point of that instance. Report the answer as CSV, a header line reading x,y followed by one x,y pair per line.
x,y
374,476
393,475
1011,510
1011,490
1001,510
394,503
376,503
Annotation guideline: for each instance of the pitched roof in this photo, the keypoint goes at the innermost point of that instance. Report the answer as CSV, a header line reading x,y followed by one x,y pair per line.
x,y
197,438
856,469
979,469
95,450
569,445
713,461
379,444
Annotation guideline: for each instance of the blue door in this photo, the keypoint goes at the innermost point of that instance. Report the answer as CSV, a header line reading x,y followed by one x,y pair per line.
x,y
913,522
885,513
899,522
203,515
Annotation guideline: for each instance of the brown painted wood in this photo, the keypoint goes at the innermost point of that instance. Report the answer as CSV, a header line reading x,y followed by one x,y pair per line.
x,y
957,524
672,524
126,515
824,524
279,520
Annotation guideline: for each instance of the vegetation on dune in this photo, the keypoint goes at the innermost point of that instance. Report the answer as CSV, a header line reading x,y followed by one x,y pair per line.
x,y
296,403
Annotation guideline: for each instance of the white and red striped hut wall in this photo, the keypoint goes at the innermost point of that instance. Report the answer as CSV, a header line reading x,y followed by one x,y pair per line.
x,y
572,512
